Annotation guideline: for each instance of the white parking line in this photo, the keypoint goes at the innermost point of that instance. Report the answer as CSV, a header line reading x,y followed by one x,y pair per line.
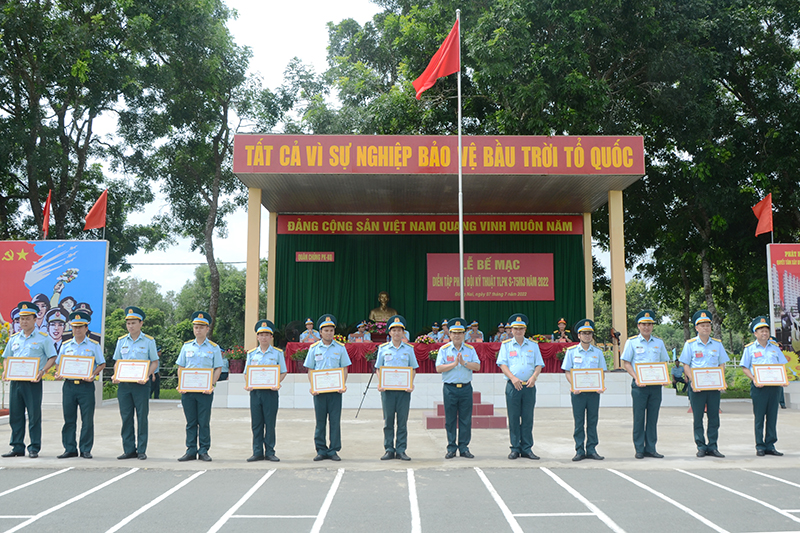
x,y
155,502
37,480
416,522
71,500
16,517
274,516
792,483
537,515
500,503
592,507
669,500
323,511
743,495
229,513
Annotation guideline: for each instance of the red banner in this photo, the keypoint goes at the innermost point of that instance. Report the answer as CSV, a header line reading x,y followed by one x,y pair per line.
x,y
784,298
429,154
521,277
314,257
428,225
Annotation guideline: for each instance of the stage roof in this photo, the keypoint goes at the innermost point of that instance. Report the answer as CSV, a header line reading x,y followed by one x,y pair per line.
x,y
419,174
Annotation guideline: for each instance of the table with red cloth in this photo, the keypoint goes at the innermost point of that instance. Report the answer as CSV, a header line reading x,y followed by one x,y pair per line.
x,y
487,353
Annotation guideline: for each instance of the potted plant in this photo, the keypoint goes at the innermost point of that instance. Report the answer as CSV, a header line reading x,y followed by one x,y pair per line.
x,y
298,357
236,357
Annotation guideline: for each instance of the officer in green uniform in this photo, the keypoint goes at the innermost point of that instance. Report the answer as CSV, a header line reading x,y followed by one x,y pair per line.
x,y
135,397
562,334
396,403
763,351
585,404
264,402
27,395
644,348
79,393
199,353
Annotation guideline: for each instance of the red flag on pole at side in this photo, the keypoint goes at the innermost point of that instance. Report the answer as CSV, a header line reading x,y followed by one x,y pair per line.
x,y
96,218
763,210
445,61
46,214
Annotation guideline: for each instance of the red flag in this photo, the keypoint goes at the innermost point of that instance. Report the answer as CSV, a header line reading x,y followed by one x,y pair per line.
x,y
46,214
97,214
763,210
445,61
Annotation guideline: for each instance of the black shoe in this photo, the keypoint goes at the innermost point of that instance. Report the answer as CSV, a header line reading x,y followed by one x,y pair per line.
x,y
715,453
204,457
335,457
640,455
132,455
388,455
402,456
12,453
449,455
513,455
33,455
320,457
761,453
67,455
142,456
530,455
579,457
776,453
654,455
86,455
254,458
185,457
701,453
467,454
596,456
273,458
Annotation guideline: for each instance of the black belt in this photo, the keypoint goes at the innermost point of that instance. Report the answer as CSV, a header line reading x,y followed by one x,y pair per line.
x,y
458,385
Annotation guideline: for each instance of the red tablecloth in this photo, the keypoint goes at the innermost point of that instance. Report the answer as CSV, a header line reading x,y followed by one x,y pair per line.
x,y
487,353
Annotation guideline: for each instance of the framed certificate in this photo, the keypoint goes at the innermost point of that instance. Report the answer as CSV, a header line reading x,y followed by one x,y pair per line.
x,y
652,374
330,380
131,370
20,368
712,378
587,379
263,376
76,366
770,375
195,379
395,377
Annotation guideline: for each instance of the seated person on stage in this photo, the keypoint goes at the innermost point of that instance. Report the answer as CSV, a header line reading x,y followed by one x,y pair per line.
x,y
474,334
501,328
562,334
677,376
434,334
506,334
362,335
310,334
444,335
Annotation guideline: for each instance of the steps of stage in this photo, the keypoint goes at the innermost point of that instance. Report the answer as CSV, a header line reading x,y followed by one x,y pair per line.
x,y
483,416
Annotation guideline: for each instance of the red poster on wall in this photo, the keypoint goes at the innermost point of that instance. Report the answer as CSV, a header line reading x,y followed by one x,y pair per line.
x,y
784,296
522,277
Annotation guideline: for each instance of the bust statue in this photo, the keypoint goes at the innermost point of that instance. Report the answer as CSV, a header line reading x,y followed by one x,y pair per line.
x,y
384,312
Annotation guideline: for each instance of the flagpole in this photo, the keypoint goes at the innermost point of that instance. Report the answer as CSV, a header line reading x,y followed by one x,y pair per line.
x,y
460,187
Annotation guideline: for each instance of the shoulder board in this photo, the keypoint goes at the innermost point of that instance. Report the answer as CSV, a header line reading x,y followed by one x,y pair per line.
x,y
122,337
633,337
749,344
445,346
719,341
692,339
278,349
212,343
314,344
508,340
405,341
468,345
253,350
148,336
189,342
556,332
384,344
774,343
339,343
92,340
573,347
42,333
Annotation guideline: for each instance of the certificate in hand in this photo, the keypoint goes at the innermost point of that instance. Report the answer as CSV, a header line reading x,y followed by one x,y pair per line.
x,y
712,378
131,370
20,368
76,367
770,375
652,373
330,380
395,377
263,376
587,379
195,379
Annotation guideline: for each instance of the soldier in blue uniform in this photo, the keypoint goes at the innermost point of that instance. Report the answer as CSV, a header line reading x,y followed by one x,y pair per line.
x,y
396,403
134,398
77,393
323,355
56,319
521,363
310,334
645,348
474,334
585,404
199,353
361,335
763,351
15,327
264,402
456,362
27,395
501,328
704,352
444,335
434,334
